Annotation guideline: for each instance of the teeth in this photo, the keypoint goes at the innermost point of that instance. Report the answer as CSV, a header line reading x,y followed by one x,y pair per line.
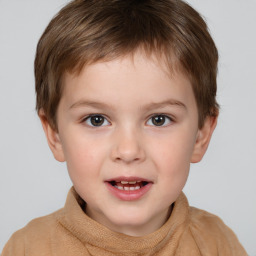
x,y
128,185
129,182
127,188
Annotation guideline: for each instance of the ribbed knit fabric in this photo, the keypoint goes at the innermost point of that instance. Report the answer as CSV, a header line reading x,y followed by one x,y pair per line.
x,y
69,231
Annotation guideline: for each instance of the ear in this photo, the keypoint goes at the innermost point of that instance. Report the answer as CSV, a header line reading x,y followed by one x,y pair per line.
x,y
203,139
53,138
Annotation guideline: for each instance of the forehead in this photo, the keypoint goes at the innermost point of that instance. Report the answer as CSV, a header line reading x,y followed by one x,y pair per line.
x,y
130,76
164,58
170,65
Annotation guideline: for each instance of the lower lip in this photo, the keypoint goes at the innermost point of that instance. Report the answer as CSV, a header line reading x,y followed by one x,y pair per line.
x,y
129,195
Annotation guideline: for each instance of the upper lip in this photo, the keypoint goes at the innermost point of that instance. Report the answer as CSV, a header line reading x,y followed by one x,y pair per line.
x,y
131,178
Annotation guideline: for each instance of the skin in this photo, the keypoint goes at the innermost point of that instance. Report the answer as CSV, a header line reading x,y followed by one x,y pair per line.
x,y
129,94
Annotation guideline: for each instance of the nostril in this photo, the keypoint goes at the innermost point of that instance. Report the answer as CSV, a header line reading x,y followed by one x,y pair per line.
x,y
127,149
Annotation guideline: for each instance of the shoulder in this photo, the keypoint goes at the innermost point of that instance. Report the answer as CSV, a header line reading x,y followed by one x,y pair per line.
x,y
204,220
208,230
35,233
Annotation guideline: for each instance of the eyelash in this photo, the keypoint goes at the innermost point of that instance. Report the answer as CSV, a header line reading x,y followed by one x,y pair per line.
x,y
89,118
166,117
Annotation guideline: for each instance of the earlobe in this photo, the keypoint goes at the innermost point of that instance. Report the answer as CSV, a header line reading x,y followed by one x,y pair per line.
x,y
52,137
203,139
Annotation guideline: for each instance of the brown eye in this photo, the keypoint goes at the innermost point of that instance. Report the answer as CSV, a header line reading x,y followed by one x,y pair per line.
x,y
159,120
96,120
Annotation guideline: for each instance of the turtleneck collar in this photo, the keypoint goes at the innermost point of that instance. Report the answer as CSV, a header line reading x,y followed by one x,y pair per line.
x,y
91,232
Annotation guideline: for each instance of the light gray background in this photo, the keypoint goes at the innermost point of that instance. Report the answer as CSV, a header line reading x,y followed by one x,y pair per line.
x,y
33,184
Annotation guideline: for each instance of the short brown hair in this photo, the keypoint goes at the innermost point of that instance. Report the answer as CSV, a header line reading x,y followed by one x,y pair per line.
x,y
87,31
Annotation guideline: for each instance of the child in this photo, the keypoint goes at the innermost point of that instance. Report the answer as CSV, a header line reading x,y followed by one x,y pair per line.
x,y
126,96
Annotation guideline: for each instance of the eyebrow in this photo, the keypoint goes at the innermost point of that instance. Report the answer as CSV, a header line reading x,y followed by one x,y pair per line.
x,y
147,107
169,102
86,103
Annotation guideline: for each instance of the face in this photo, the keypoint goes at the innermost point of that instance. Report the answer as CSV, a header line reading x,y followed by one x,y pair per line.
x,y
128,131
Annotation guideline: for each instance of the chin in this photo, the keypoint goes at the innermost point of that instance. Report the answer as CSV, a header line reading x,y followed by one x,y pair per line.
x,y
126,218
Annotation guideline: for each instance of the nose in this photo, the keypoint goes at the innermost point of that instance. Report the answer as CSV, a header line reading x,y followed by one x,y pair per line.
x,y
128,147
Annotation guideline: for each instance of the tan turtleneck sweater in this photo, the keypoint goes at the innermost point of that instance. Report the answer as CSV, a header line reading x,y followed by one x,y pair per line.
x,y
70,232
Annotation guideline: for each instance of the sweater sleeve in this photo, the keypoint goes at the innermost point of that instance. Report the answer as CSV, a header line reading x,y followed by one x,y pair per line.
x,y
15,245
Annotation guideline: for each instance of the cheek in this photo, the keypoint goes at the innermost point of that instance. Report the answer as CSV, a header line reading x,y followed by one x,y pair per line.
x,y
84,163
176,147
83,157
172,156
172,162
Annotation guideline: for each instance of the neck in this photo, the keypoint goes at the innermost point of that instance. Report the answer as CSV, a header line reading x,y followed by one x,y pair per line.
x,y
133,230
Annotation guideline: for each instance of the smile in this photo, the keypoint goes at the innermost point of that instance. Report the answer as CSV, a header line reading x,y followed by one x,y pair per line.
x,y
128,189
128,185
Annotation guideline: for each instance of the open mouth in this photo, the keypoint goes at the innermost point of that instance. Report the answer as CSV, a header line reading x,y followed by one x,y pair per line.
x,y
129,188
128,185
